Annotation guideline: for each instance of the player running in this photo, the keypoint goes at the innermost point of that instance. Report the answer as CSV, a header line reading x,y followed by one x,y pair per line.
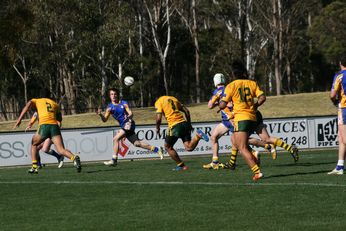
x,y
225,125
122,113
261,131
270,143
49,113
46,145
241,92
178,127
338,97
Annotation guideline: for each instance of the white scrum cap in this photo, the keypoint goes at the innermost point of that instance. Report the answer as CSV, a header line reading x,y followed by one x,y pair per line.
x,y
219,79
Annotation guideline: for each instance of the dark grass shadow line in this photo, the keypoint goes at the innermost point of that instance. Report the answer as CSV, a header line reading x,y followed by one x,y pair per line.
x,y
296,174
303,164
102,170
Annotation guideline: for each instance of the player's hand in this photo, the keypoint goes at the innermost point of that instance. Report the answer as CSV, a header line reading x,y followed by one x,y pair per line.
x,y
17,124
99,111
255,106
335,102
28,127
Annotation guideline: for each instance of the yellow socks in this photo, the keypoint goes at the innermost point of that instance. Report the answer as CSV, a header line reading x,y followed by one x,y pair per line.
x,y
233,159
215,160
34,164
281,143
255,169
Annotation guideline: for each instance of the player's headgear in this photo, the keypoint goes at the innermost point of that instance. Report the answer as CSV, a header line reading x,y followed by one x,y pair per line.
x,y
219,79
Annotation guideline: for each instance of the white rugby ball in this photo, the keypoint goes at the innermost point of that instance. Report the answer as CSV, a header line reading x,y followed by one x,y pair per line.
x,y
128,81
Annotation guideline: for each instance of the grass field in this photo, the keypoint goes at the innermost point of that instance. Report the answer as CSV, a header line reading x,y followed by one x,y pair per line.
x,y
147,195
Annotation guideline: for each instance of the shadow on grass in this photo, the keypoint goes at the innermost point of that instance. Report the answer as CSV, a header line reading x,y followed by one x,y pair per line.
x,y
296,174
304,164
103,170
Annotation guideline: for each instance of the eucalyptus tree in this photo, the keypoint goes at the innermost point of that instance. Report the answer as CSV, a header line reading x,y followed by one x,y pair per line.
x,y
328,31
159,14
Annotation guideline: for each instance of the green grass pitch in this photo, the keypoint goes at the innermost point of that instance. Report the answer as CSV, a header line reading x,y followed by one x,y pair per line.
x,y
147,195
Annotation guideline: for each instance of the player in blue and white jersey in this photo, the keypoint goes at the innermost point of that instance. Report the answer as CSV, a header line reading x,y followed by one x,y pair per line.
x,y
225,125
338,97
122,113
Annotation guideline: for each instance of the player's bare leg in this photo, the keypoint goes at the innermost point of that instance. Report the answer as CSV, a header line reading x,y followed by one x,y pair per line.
x,y
45,147
218,131
144,145
60,147
191,145
35,142
274,141
339,169
174,155
241,143
116,140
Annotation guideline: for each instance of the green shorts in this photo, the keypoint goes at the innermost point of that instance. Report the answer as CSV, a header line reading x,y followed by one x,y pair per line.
x,y
245,126
49,130
180,130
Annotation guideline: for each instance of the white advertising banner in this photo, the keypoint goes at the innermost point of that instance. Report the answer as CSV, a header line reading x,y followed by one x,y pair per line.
x,y
92,144
148,134
326,132
96,144
292,131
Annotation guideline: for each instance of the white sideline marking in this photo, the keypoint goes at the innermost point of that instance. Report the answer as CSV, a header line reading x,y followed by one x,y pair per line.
x,y
176,183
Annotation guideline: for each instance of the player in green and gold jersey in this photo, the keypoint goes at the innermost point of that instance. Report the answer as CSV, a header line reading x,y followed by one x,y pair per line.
x,y
50,116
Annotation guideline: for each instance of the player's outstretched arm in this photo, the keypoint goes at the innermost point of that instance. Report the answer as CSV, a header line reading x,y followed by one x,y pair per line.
x,y
186,112
213,102
261,99
129,111
333,97
222,105
32,121
104,117
158,122
25,109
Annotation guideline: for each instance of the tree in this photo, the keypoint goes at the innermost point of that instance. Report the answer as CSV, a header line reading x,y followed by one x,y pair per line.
x,y
189,17
328,32
159,18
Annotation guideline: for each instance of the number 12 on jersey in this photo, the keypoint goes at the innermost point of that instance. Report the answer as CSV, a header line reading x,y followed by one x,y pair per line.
x,y
245,94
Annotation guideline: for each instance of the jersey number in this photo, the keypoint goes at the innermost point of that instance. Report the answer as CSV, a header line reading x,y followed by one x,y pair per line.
x,y
245,94
49,107
174,107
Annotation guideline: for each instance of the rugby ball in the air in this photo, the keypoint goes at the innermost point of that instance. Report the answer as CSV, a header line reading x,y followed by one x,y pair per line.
x,y
128,81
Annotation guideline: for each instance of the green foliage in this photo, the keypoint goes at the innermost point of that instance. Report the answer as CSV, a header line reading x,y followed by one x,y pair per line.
x,y
73,48
328,31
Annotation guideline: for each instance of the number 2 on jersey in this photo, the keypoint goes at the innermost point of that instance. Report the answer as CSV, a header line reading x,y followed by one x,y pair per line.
x,y
174,107
49,107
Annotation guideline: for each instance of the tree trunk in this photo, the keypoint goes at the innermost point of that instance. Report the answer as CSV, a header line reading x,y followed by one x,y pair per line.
x,y
120,76
289,76
141,87
162,53
196,45
24,76
276,55
104,79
